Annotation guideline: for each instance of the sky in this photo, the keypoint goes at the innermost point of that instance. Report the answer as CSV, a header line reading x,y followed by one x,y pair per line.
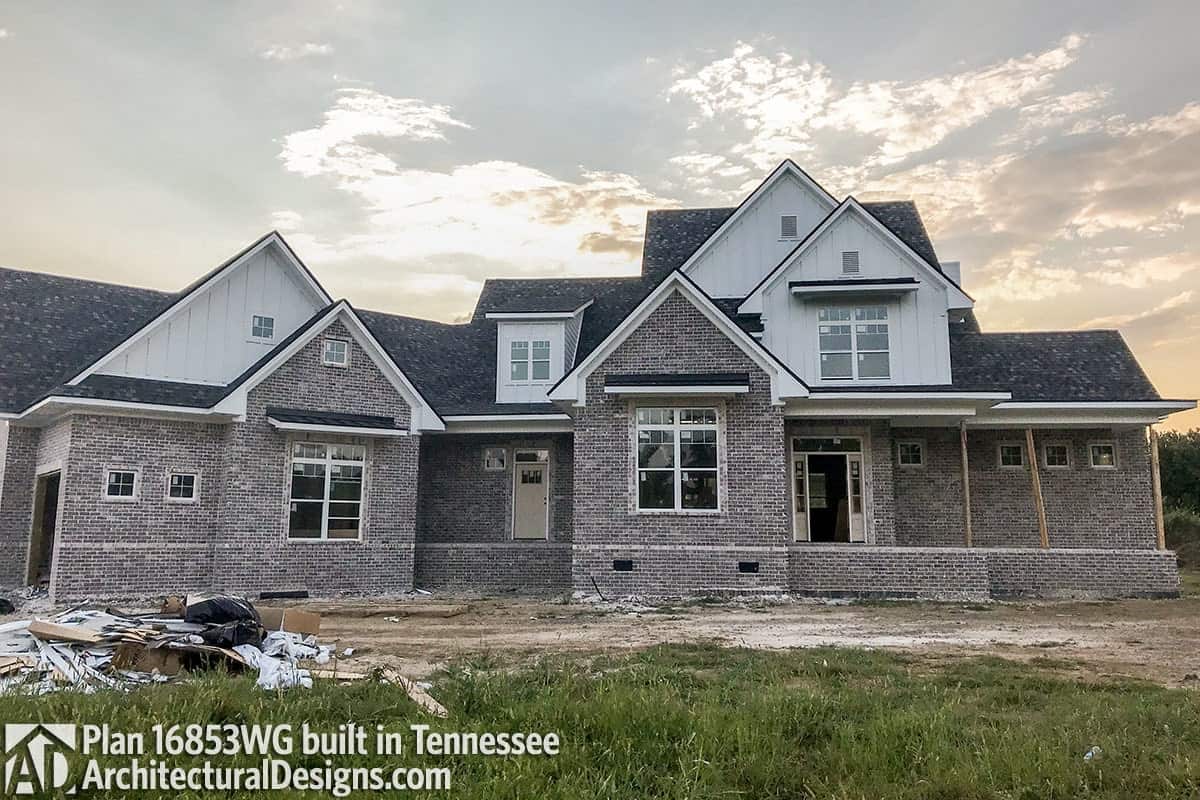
x,y
409,151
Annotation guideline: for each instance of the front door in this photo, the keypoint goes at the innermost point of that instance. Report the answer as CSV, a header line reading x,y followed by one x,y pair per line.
x,y
45,524
827,489
828,495
530,500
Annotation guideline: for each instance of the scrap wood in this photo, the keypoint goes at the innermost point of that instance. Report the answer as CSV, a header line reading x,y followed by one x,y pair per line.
x,y
50,631
337,674
416,693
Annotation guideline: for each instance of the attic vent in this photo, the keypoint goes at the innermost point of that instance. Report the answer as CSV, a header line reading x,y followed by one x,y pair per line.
x,y
850,262
788,227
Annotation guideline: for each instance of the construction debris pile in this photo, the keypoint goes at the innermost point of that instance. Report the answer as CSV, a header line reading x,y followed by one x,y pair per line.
x,y
87,649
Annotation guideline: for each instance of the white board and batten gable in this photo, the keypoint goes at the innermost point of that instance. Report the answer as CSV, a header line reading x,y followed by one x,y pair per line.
x,y
759,233
208,336
545,345
851,261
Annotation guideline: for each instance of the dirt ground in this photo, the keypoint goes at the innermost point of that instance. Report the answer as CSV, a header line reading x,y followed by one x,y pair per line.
x,y
1155,640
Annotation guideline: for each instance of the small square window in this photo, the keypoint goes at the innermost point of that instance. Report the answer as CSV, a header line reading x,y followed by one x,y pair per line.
x,y
181,486
336,353
495,459
911,454
262,327
1058,456
1103,455
1012,455
121,484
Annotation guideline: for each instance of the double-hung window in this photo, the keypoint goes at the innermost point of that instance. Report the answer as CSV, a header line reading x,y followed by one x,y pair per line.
x,y
854,343
676,459
326,492
529,360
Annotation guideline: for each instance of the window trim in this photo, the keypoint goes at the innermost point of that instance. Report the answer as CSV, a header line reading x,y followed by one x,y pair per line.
x,y
503,456
546,478
1046,455
530,361
854,350
1000,455
137,484
1104,443
254,337
325,342
678,469
183,501
920,443
324,538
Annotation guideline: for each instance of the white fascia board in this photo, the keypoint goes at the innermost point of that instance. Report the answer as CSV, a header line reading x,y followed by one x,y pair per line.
x,y
671,390
997,397
503,417
235,263
62,404
872,288
786,167
347,430
572,388
1167,406
1083,414
868,408
509,423
534,316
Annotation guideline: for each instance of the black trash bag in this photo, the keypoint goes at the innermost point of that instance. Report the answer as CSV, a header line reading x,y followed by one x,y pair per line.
x,y
232,634
221,609
6,606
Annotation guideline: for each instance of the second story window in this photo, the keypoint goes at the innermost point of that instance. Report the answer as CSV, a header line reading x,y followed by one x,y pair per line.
x,y
262,327
853,342
529,360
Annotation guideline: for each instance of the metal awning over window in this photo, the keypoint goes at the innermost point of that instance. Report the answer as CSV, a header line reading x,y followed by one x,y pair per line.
x,y
853,286
660,383
293,419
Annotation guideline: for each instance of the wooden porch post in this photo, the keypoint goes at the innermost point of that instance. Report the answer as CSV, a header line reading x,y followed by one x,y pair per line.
x,y
1037,487
1156,479
966,481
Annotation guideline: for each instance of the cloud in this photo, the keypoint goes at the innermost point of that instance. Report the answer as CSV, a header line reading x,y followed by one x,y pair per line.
x,y
285,221
1176,302
283,52
438,232
1141,274
3,33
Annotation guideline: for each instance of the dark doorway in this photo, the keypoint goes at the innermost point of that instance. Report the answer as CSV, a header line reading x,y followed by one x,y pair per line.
x,y
45,523
829,519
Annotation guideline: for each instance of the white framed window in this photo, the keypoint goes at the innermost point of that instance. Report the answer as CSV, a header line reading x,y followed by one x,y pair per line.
x,y
854,343
529,360
326,493
850,262
1056,455
1010,455
495,459
910,453
183,487
262,327
335,353
789,227
1102,455
122,484
676,459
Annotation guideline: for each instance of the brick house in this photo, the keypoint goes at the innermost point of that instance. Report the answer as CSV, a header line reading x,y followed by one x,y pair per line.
x,y
793,396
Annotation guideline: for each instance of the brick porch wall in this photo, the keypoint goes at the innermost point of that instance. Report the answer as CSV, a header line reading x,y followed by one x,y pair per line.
x,y
494,567
18,454
673,552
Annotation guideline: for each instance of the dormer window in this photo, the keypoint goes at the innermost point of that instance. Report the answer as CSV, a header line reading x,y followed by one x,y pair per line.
x,y
850,262
262,327
529,360
789,227
336,353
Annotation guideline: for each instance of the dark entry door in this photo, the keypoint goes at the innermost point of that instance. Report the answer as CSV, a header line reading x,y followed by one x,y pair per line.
x,y
829,517
45,523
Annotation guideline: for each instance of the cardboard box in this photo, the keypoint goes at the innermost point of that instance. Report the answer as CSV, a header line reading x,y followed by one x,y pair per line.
x,y
291,620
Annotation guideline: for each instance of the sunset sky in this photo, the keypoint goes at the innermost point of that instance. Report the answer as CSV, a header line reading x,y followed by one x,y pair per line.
x,y
409,152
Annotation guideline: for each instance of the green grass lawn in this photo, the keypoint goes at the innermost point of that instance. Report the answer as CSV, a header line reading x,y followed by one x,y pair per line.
x,y
706,722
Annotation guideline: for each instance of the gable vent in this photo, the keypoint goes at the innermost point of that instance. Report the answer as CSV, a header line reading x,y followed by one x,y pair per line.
x,y
850,262
788,227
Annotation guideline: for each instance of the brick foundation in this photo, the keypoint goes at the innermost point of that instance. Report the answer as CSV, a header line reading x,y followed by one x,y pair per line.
x,y
508,567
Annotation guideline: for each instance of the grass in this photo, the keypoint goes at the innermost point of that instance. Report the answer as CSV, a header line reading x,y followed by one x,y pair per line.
x,y
707,722
1183,535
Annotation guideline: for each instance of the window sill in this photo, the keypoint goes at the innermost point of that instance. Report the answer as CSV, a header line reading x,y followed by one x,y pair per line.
x,y
181,501
291,540
258,340
107,499
682,512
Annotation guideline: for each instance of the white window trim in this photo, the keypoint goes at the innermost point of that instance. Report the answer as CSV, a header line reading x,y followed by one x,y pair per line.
x,y
540,462
529,360
328,462
261,339
137,485
503,467
854,351
1045,455
678,468
183,501
1104,467
919,443
325,353
1000,461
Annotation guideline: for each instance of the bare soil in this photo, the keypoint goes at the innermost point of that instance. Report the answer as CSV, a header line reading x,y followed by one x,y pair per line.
x,y
1154,640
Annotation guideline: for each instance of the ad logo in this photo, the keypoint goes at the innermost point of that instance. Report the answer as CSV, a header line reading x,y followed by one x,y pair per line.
x,y
35,758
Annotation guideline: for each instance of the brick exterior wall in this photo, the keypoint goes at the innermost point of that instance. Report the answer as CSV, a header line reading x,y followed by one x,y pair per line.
x,y
252,552
1082,573
528,568
823,570
680,551
17,477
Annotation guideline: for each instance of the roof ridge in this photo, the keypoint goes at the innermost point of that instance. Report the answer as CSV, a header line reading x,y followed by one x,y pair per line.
x,y
93,282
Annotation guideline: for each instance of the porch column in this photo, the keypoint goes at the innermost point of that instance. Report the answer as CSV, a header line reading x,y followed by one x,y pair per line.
x,y
1156,480
966,481
1037,487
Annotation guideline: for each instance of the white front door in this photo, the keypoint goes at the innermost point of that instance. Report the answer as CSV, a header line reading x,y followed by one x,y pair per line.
x,y
531,494
828,486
